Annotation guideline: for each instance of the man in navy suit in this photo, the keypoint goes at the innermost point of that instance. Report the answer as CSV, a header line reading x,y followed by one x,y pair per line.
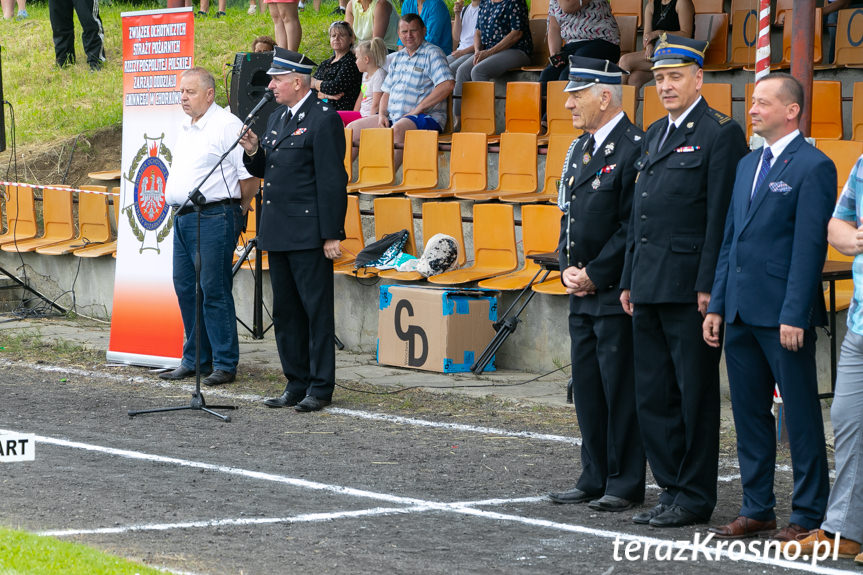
x,y
767,288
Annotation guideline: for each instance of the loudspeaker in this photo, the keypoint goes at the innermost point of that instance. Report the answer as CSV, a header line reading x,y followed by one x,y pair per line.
x,y
2,108
248,83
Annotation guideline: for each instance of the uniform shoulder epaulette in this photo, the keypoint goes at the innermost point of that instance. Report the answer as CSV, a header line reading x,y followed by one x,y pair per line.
x,y
720,118
634,134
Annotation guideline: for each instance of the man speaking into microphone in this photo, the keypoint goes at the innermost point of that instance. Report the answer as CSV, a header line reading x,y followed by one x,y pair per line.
x,y
302,224
208,132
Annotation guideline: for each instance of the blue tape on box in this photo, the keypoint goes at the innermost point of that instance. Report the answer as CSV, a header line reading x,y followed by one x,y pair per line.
x,y
385,297
449,366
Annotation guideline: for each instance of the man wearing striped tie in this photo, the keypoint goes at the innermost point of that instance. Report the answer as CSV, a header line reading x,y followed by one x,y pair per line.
x,y
767,289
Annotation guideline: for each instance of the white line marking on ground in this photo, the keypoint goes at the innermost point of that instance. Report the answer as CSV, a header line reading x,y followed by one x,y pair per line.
x,y
253,398
305,518
418,505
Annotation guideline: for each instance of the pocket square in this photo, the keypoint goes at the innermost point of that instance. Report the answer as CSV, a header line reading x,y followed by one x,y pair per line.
x,y
780,187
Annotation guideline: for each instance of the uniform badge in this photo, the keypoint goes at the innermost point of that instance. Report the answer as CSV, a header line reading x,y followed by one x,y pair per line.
x,y
636,137
609,148
585,158
299,132
685,149
301,116
690,124
595,183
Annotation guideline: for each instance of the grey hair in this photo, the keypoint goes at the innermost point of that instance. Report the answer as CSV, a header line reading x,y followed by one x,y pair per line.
x,y
615,90
208,82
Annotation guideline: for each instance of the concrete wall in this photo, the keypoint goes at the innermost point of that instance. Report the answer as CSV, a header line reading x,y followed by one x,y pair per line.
x,y
539,344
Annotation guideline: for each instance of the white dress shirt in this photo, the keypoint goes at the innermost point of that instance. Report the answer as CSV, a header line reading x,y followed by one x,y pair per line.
x,y
197,149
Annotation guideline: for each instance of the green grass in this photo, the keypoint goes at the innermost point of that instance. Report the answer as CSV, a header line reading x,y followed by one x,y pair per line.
x,y
23,553
53,104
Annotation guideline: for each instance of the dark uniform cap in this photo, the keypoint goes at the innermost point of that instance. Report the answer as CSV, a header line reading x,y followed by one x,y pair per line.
x,y
674,51
288,61
584,72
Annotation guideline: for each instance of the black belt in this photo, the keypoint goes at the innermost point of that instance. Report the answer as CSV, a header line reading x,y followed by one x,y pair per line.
x,y
189,209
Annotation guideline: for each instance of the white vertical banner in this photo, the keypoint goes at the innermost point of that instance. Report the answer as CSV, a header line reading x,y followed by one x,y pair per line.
x,y
146,327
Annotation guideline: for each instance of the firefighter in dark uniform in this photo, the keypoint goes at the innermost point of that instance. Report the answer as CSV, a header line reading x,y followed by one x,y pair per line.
x,y
301,158
683,187
595,195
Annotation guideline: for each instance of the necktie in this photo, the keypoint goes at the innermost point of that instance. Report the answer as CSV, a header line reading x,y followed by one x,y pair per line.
x,y
288,116
588,150
668,134
766,158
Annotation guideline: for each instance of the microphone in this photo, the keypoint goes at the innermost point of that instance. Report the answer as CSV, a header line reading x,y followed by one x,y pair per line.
x,y
268,96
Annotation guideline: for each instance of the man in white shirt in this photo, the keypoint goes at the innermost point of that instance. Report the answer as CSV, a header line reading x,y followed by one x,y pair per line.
x,y
206,134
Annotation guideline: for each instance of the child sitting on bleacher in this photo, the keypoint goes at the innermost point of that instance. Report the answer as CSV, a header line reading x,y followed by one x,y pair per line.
x,y
371,57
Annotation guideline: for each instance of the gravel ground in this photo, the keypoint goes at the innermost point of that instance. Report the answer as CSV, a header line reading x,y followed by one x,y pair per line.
x,y
328,492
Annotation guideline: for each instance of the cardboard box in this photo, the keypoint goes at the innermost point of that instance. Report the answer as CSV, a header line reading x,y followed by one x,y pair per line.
x,y
435,329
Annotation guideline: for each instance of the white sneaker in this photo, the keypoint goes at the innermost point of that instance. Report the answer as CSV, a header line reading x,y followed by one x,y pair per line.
x,y
253,9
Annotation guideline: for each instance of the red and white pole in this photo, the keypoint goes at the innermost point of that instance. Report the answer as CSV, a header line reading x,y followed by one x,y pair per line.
x,y
762,52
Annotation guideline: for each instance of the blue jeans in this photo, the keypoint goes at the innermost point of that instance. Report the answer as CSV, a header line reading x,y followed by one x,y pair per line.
x,y
220,228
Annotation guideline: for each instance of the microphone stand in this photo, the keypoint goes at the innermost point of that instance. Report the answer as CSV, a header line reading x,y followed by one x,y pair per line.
x,y
197,200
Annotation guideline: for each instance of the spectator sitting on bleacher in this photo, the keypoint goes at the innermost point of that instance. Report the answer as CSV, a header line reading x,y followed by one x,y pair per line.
x,y
579,28
435,16
463,27
374,19
371,58
337,79
501,42
660,16
415,90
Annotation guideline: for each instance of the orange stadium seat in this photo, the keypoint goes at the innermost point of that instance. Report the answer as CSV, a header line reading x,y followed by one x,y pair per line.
x,y
57,222
107,248
849,33
538,9
714,29
629,102
630,7
826,110
354,240
523,102
376,163
468,171
857,113
438,218
786,41
539,38
708,6
540,231
628,26
551,286
391,215
782,11
743,5
744,38
419,165
20,215
516,169
557,118
494,246
94,225
717,95
349,160
477,108
558,145
844,154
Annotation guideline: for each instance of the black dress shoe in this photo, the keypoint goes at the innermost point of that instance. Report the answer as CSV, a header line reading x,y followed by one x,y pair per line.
x,y
611,503
181,372
219,377
287,399
574,495
644,517
311,403
675,516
